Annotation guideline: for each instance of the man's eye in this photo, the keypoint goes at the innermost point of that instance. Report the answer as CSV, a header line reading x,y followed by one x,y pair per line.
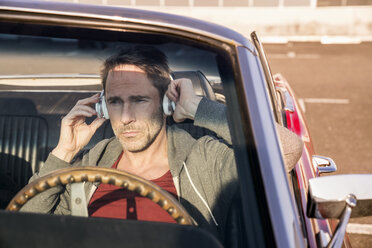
x,y
140,100
114,101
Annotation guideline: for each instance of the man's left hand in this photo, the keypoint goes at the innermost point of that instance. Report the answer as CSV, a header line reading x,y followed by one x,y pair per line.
x,y
181,92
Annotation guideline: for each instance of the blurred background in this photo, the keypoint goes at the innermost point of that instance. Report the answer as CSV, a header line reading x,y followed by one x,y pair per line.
x,y
275,20
324,49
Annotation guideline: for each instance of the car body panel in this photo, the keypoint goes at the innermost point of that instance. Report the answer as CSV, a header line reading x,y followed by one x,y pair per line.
x,y
304,168
145,18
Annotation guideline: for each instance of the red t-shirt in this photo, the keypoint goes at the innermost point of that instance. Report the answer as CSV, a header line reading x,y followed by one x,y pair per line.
x,y
111,201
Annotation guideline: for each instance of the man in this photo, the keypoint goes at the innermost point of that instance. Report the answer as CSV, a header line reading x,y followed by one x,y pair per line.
x,y
201,173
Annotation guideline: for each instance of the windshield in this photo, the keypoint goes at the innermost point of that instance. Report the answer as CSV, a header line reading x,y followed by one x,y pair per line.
x,y
28,60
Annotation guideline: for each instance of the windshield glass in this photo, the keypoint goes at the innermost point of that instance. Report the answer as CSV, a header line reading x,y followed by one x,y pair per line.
x,y
53,76
28,60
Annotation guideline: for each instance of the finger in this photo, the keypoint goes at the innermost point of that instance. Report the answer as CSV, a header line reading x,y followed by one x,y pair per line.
x,y
182,84
173,85
78,113
178,119
172,89
97,123
171,96
75,119
174,92
83,108
168,93
185,84
185,89
90,100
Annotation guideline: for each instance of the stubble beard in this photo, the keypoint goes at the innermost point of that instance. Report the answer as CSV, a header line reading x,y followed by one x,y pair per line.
x,y
151,130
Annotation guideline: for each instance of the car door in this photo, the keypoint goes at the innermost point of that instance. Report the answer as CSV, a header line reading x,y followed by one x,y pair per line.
x,y
288,114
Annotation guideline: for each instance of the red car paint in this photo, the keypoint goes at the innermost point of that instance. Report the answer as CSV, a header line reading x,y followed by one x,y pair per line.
x,y
304,168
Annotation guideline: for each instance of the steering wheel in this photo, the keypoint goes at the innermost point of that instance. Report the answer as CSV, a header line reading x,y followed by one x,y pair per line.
x,y
108,176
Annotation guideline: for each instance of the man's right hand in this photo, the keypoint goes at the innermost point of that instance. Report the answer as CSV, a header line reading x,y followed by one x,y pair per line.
x,y
75,132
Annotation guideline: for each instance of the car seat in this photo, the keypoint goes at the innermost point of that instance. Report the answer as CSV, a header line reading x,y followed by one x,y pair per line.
x,y
23,140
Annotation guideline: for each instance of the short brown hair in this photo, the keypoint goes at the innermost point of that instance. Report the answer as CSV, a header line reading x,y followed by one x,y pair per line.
x,y
149,59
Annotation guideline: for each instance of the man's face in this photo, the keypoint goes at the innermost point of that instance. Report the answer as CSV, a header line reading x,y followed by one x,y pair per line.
x,y
134,107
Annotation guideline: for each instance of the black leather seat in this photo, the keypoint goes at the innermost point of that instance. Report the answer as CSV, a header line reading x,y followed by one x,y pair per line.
x,y
23,142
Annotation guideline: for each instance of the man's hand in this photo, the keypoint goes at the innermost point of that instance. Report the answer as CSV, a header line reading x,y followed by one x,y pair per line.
x,y
75,132
182,93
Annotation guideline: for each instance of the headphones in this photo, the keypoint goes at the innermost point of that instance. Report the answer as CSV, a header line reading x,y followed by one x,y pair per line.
x,y
101,107
102,112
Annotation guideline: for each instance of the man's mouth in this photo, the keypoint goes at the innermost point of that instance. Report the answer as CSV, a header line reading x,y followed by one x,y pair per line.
x,y
130,133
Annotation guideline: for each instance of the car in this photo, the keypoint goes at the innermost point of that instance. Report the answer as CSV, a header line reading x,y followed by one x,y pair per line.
x,y
51,55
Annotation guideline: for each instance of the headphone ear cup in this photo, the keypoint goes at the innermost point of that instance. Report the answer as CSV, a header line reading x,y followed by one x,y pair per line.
x,y
104,110
101,107
98,107
168,106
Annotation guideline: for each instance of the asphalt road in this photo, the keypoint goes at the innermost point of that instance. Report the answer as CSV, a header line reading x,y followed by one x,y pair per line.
x,y
334,86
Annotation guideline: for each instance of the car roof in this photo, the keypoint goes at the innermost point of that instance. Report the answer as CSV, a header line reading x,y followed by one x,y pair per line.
x,y
151,17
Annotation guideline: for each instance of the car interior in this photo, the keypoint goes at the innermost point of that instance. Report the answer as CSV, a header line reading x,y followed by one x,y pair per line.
x,y
29,129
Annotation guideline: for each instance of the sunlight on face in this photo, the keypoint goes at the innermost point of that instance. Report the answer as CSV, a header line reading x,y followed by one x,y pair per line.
x,y
134,108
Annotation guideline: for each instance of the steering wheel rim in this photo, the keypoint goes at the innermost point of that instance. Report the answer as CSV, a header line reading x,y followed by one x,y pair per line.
x,y
103,175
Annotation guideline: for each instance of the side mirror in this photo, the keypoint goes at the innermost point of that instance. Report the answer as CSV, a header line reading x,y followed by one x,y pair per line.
x,y
324,164
342,197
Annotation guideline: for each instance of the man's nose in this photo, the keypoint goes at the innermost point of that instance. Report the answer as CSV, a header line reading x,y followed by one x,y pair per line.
x,y
127,114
